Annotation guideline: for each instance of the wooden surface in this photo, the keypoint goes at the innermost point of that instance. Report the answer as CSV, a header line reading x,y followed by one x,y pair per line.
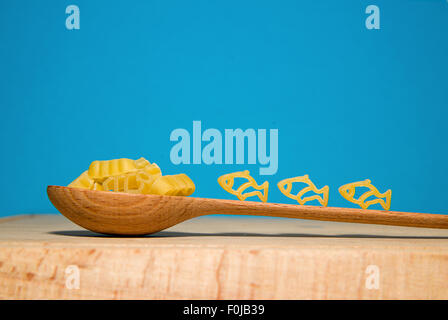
x,y
139,214
223,258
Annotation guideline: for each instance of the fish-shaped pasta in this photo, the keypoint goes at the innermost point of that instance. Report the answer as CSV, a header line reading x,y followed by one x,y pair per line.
x,y
285,187
227,181
348,192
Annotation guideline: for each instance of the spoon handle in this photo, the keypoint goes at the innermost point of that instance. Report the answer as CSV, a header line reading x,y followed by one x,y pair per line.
x,y
408,219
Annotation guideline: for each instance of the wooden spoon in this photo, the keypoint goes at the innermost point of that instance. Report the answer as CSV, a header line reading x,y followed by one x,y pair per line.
x,y
138,214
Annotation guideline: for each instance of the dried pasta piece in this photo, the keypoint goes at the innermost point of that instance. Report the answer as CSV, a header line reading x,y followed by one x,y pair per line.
x,y
285,187
145,181
227,181
152,169
97,186
84,181
146,166
133,176
100,170
348,192
121,183
138,181
133,182
172,185
141,163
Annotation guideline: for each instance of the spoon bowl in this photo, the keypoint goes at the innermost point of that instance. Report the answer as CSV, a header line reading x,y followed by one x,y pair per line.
x,y
120,213
139,214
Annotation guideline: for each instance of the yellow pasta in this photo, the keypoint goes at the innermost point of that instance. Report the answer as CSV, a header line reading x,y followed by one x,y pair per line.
x,y
84,181
132,182
120,183
141,163
97,186
285,187
100,170
227,181
145,181
348,192
172,185
152,169
133,176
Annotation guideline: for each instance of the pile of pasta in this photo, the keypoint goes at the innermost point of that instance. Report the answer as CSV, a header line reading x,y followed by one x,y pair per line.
x,y
133,176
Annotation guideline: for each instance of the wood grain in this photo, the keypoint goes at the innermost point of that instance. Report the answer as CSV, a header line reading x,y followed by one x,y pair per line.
x,y
223,257
136,214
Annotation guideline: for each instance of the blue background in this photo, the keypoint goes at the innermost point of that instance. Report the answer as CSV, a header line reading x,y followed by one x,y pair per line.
x,y
349,103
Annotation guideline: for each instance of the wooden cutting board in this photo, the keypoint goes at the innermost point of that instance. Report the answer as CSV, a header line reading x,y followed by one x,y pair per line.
x,y
222,257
